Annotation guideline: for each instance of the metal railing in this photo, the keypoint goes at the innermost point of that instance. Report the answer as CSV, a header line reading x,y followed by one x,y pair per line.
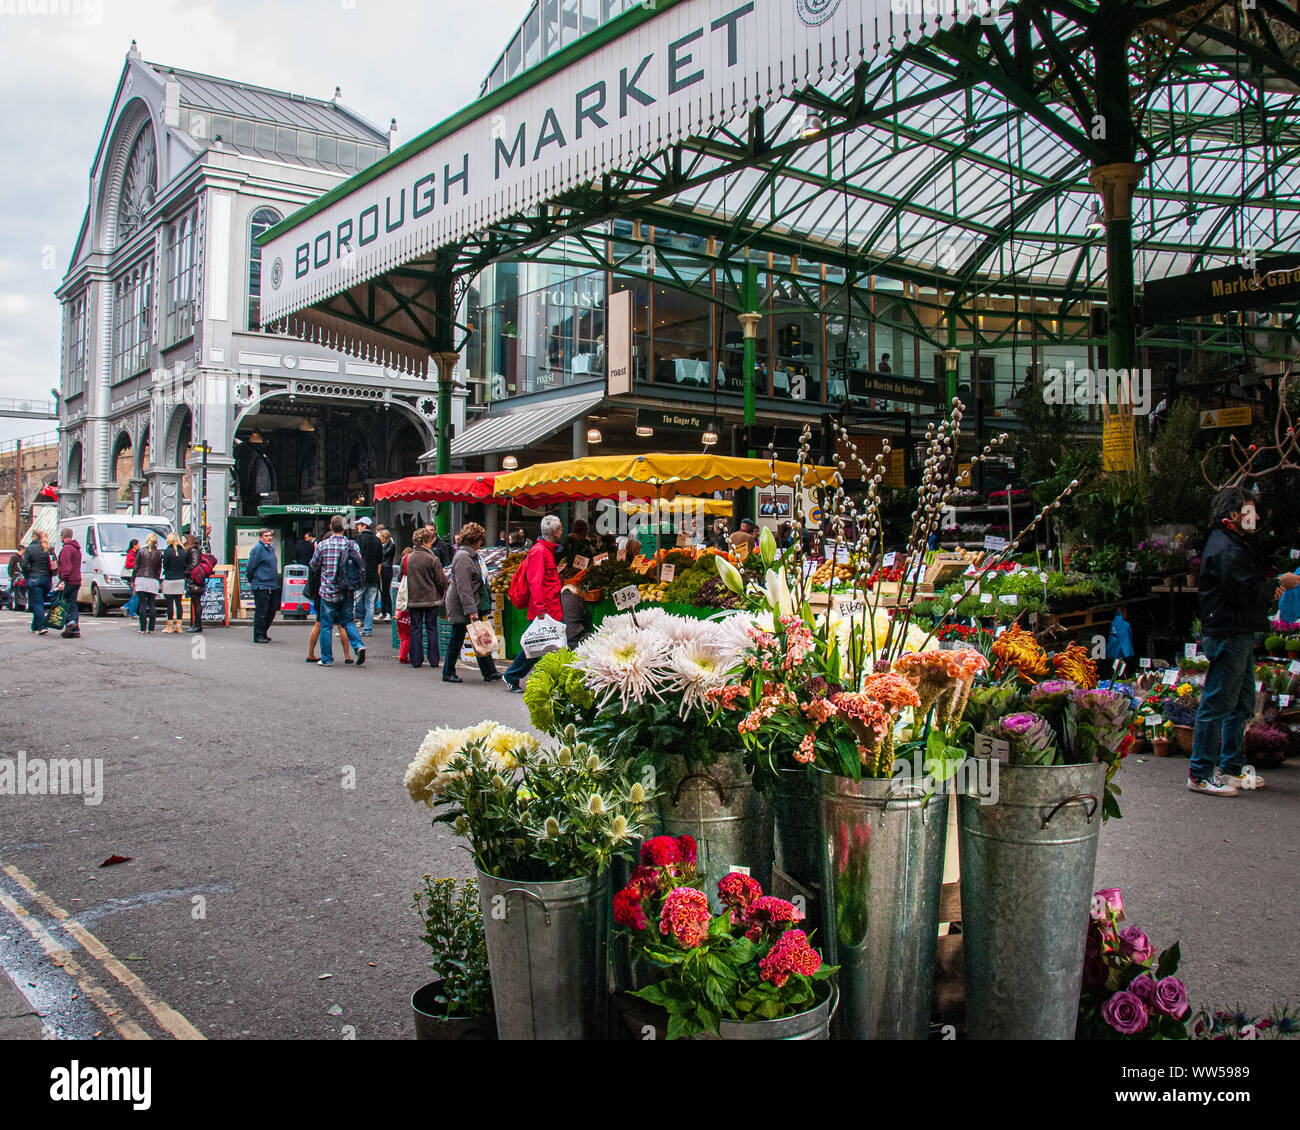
x,y
30,443
29,409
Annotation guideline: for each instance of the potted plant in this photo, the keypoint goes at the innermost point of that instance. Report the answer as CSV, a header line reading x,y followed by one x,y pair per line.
x,y
1292,646
457,1005
543,827
1162,739
747,973
1275,645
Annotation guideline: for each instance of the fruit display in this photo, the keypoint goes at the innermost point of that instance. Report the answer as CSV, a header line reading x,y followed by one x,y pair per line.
x,y
653,593
841,572
500,582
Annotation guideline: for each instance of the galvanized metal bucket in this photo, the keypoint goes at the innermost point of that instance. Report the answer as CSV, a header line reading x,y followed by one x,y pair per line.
x,y
1027,867
728,817
795,799
882,874
815,1024
547,949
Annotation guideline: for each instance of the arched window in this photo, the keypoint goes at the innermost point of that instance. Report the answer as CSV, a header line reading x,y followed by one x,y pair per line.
x,y
263,220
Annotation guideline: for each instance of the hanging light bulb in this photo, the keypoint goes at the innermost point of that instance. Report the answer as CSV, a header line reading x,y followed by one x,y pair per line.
x,y
256,437
644,431
710,436
1096,223
510,463
594,436
812,127
306,425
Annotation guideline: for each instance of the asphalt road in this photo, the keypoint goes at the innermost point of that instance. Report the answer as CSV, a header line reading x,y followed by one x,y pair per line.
x,y
265,899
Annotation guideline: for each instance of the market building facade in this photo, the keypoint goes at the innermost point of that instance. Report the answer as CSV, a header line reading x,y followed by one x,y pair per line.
x,y
174,400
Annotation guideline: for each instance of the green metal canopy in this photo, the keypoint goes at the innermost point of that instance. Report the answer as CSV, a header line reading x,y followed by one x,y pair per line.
x,y
970,162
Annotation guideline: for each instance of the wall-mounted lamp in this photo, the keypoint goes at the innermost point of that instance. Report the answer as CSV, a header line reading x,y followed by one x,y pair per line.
x,y
594,436
510,463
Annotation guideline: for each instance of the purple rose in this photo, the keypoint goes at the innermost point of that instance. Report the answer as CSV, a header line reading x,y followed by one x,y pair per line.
x,y
1095,973
1171,997
1144,988
1125,1013
1135,945
1113,900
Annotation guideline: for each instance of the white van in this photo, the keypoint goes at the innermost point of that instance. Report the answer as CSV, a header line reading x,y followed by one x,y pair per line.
x,y
104,540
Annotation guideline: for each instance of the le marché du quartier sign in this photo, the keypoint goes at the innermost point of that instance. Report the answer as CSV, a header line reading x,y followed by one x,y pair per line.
x,y
693,66
1266,282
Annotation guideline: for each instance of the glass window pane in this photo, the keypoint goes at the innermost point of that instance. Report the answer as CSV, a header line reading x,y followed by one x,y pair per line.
x,y
221,126
306,146
243,133
265,138
286,143
533,37
514,57
327,150
347,154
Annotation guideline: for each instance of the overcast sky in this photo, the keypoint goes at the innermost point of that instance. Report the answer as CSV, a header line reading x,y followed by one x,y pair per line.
x,y
417,62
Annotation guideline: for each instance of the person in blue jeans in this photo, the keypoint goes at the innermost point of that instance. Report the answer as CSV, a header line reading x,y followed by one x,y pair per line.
x,y
1236,592
335,601
36,568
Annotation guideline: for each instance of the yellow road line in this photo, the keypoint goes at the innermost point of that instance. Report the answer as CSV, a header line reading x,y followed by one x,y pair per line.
x,y
168,1018
128,1028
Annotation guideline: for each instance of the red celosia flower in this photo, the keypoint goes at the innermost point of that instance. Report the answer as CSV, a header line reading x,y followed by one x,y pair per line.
x,y
766,912
791,954
686,849
686,916
892,691
738,891
627,908
661,851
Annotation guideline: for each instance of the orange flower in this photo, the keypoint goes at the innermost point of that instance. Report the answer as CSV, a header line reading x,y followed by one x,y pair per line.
x,y
1073,664
1017,648
892,691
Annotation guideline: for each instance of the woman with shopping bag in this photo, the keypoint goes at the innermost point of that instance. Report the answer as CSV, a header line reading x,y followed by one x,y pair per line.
x,y
465,592
426,588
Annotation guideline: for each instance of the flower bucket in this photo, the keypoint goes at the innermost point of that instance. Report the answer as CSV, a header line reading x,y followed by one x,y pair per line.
x,y
815,1024
795,799
547,951
882,874
729,819
429,1025
1027,867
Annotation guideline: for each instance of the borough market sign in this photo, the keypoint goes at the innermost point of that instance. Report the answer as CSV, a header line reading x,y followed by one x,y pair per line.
x,y
696,64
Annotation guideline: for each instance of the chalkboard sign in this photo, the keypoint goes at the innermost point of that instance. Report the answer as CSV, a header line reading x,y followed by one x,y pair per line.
x,y
214,600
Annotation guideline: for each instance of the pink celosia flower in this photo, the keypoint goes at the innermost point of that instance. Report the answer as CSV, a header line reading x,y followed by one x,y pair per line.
x,y
767,912
685,916
791,954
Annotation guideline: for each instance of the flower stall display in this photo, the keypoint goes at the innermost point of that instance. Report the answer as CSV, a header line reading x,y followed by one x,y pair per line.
x,y
457,1005
749,964
543,827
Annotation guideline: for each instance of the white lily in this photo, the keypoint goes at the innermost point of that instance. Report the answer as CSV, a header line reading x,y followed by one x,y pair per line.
x,y
778,593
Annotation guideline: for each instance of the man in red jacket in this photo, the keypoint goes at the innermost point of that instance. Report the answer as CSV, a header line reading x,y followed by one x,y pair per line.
x,y
543,581
70,579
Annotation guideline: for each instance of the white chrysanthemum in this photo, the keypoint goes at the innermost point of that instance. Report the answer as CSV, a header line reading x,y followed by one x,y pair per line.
x,y
696,668
629,664
730,634
683,629
426,776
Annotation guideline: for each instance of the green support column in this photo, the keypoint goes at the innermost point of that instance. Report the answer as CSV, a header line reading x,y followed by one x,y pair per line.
x,y
1116,183
749,321
952,357
446,362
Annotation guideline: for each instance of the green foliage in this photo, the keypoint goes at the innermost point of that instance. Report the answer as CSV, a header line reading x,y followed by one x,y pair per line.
x,y
1176,491
650,732
563,814
453,929
556,696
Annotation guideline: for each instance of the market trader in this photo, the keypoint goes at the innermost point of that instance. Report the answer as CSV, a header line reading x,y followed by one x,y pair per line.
x,y
264,580
1236,593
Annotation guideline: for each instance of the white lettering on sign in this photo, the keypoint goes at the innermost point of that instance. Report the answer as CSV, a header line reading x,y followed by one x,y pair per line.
x,y
626,598
669,75
986,746
668,573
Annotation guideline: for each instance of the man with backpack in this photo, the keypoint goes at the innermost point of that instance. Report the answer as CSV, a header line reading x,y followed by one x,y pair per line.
x,y
342,576
536,587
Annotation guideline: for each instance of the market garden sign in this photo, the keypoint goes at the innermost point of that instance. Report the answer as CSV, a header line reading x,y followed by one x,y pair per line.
x,y
694,65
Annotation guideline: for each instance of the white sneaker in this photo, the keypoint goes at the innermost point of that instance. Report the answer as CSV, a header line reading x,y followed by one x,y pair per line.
x,y
1215,786
1246,779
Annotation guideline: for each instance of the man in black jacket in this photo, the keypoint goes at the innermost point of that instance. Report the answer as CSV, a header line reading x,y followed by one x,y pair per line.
x,y
372,554
1236,593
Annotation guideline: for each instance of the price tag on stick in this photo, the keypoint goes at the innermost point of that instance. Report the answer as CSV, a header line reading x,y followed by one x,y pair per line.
x,y
581,562
628,597
1145,664
1170,677
601,559
668,573
986,746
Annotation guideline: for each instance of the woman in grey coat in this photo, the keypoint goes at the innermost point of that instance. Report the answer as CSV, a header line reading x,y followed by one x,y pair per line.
x,y
466,593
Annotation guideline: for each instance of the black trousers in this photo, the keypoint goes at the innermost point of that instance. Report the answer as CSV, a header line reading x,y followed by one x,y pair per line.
x,y
148,610
486,665
424,620
196,612
263,612
386,590
175,606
